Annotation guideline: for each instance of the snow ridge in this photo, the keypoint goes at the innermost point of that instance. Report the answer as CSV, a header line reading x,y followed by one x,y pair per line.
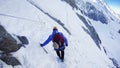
x,y
55,19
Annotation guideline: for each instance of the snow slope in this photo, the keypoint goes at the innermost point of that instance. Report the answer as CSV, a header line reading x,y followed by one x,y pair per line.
x,y
23,18
108,33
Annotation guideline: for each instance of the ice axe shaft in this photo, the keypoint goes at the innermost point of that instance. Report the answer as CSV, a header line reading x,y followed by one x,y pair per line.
x,y
45,50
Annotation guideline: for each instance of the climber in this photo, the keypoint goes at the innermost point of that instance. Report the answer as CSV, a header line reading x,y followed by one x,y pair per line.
x,y
59,42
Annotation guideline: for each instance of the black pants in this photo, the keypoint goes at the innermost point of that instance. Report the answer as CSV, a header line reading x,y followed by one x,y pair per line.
x,y
60,54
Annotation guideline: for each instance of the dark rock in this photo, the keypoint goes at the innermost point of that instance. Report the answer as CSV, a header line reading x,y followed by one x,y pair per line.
x,y
2,31
7,42
115,63
91,30
9,59
94,13
23,39
71,3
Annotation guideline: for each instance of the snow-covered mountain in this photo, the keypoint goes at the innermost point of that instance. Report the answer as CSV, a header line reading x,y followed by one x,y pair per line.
x,y
90,26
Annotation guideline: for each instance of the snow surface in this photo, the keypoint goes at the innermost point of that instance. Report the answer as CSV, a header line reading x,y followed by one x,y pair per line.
x,y
22,18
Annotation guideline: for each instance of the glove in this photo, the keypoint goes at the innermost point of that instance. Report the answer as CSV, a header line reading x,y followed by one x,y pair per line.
x,y
66,44
41,45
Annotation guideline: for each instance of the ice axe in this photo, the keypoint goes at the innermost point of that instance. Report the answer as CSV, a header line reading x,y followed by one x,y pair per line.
x,y
44,49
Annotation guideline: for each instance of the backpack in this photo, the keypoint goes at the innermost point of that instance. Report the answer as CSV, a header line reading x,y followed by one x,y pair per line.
x,y
58,40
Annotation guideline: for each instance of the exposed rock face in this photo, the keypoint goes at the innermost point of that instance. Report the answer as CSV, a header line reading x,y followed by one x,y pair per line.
x,y
10,44
9,59
71,3
91,31
7,42
93,13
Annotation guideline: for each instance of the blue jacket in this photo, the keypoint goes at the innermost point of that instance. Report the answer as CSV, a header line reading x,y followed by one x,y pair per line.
x,y
50,38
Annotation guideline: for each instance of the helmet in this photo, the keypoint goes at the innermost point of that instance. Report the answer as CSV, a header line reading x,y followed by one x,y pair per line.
x,y
55,28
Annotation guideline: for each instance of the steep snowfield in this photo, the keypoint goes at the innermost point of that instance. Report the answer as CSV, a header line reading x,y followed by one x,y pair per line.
x,y
108,33
22,18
